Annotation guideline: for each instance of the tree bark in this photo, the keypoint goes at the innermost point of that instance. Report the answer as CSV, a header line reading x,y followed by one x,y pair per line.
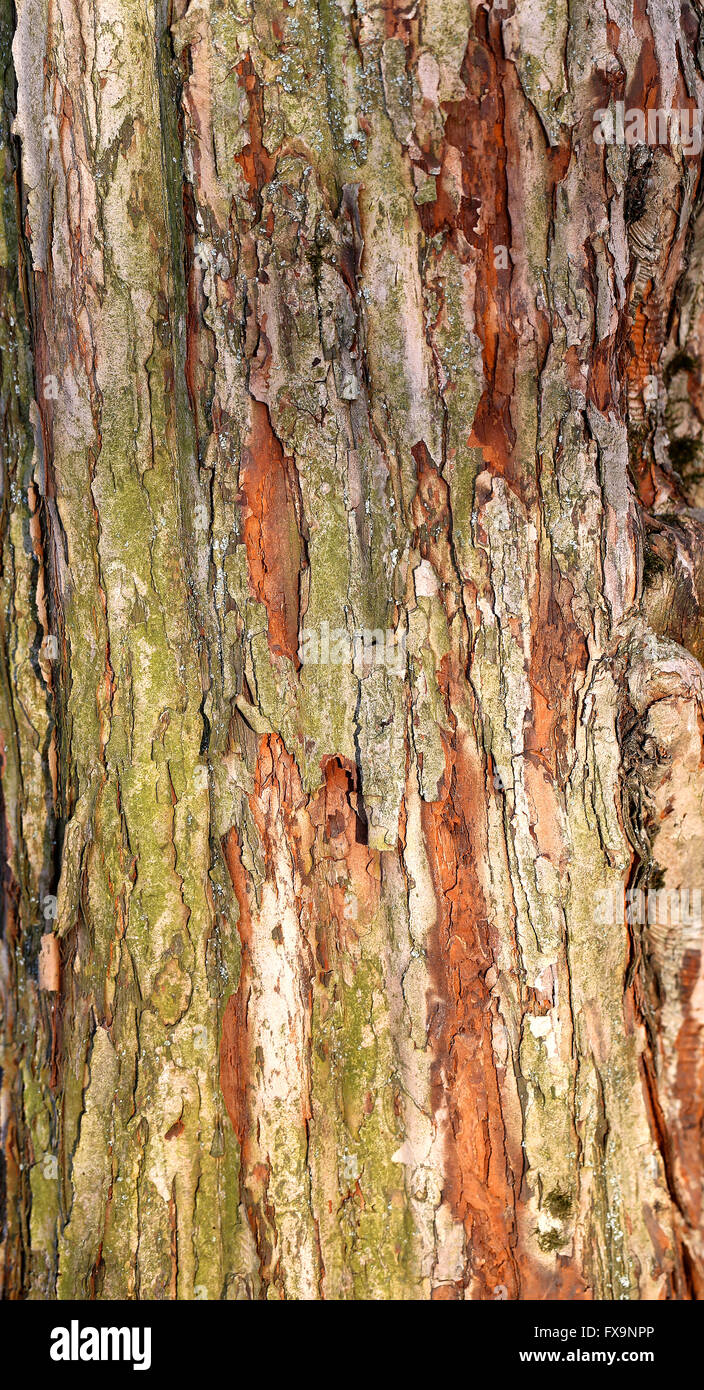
x,y
352,623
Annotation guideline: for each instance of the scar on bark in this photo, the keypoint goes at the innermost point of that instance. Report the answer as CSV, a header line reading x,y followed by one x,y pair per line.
x,y
271,535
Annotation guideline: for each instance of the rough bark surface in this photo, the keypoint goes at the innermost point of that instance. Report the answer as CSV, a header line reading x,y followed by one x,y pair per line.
x,y
322,320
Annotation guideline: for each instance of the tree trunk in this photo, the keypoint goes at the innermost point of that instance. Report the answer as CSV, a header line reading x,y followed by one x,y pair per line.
x,y
351,706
